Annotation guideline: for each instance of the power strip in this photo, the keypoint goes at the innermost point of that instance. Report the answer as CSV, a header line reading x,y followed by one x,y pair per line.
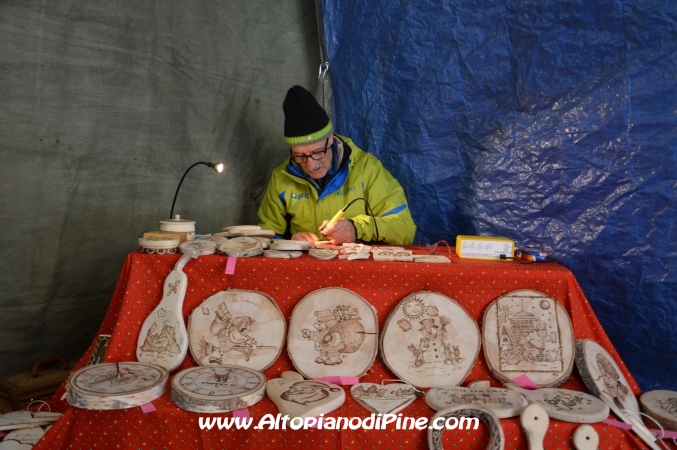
x,y
485,247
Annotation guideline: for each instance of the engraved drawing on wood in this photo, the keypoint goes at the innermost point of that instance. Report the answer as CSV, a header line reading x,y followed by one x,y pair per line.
x,y
333,332
430,340
528,336
238,327
338,332
162,335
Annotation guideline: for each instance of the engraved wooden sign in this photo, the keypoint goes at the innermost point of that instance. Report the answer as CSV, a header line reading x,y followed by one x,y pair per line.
x,y
297,397
662,406
163,339
603,378
527,332
383,399
22,439
502,402
565,405
244,328
430,340
493,424
333,332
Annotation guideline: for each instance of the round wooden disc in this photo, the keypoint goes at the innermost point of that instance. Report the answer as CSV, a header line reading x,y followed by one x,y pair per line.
x,y
241,247
527,332
282,244
245,328
323,253
217,389
661,405
603,377
201,247
282,254
333,332
116,386
430,340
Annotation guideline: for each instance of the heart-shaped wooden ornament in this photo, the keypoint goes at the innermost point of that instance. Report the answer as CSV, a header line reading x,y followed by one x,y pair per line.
x,y
296,397
383,399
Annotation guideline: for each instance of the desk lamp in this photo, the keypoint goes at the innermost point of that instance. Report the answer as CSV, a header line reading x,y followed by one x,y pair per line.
x,y
218,167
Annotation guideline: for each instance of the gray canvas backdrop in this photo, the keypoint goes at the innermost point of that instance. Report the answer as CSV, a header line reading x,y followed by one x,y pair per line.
x,y
103,106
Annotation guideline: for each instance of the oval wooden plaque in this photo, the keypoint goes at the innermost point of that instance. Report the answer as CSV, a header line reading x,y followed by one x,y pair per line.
x,y
503,402
430,340
527,332
661,405
244,328
333,332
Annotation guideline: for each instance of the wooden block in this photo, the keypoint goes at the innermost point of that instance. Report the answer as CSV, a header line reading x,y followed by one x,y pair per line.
x,y
182,236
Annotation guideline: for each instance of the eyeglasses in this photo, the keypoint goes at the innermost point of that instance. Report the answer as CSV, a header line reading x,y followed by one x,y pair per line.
x,y
316,156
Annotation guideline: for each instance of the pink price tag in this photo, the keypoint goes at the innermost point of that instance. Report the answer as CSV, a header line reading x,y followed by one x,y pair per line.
x,y
148,408
341,381
230,265
525,382
664,433
617,424
240,415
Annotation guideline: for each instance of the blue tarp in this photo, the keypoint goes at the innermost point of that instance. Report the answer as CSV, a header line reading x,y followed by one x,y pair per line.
x,y
553,123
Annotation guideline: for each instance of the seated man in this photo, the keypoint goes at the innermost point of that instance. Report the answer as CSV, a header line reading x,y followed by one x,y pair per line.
x,y
325,173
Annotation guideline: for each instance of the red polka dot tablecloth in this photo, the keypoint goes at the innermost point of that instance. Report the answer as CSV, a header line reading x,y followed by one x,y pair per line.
x,y
473,284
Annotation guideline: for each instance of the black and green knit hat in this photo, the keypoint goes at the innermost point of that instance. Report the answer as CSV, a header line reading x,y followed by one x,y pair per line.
x,y
305,122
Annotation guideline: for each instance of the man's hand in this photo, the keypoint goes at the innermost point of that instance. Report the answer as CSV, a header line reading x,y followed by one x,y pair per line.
x,y
342,231
305,236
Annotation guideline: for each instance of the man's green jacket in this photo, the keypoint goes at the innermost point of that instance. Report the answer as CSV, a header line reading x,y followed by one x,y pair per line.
x,y
294,203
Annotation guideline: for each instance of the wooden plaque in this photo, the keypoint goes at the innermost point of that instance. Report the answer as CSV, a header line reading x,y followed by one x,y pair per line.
x,y
217,389
496,437
661,405
286,245
244,328
502,402
604,378
383,399
240,247
430,340
333,332
527,332
163,339
297,397
281,254
116,385
22,439
565,405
